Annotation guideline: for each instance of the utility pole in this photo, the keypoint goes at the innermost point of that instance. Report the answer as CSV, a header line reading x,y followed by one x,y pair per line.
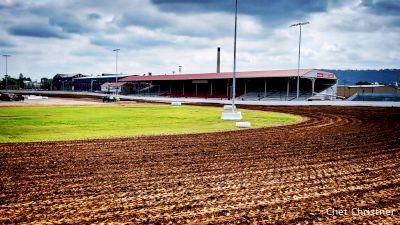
x,y
116,69
6,75
234,61
298,61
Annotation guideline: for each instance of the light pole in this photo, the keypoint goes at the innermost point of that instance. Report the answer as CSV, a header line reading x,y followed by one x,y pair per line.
x,y
233,115
6,75
116,69
234,61
298,61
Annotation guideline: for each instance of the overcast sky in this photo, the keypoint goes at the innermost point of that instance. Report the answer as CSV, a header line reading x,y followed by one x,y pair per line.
x,y
46,37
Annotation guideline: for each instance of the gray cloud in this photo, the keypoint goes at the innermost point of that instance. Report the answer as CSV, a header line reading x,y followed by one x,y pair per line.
x,y
36,30
383,7
5,43
142,19
10,6
70,24
133,43
164,32
93,16
269,11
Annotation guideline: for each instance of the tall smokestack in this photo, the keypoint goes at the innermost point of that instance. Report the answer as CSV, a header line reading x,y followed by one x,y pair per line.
x,y
218,60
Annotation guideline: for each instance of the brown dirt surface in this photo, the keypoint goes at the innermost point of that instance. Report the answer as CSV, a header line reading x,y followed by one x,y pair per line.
x,y
341,158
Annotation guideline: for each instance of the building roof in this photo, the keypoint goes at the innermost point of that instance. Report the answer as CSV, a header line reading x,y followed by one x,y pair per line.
x,y
366,86
114,84
69,75
100,77
225,75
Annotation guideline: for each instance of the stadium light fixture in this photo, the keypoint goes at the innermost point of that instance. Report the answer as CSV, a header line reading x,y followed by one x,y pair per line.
x,y
298,60
116,69
6,75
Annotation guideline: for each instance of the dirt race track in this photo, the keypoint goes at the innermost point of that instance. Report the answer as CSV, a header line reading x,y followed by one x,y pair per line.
x,y
341,158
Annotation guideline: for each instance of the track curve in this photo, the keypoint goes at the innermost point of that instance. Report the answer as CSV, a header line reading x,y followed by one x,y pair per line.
x,y
341,158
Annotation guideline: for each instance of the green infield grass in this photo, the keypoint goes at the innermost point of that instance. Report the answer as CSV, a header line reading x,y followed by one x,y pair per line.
x,y
21,124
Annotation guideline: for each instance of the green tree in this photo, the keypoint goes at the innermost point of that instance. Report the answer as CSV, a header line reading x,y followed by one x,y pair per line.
x,y
46,83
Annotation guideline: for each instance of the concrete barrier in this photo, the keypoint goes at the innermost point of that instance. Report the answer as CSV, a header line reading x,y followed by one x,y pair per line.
x,y
34,97
243,124
231,116
229,107
176,103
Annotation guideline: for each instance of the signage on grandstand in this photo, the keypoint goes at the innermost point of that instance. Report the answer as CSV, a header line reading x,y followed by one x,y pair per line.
x,y
200,81
325,75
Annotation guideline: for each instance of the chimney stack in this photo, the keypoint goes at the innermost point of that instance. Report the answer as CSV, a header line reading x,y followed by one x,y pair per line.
x,y
219,60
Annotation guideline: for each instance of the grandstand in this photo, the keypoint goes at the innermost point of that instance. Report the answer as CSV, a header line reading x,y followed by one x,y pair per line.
x,y
274,85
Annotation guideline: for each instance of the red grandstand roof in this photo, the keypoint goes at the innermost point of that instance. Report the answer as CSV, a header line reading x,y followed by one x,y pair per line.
x,y
225,75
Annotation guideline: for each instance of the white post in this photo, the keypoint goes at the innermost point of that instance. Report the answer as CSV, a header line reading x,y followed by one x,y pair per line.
x,y
116,69
298,68
234,62
298,61
6,75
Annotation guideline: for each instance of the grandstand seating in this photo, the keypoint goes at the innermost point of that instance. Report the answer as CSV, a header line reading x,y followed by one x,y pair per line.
x,y
274,95
192,94
254,95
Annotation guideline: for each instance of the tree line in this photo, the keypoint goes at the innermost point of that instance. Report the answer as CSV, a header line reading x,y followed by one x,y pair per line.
x,y
23,82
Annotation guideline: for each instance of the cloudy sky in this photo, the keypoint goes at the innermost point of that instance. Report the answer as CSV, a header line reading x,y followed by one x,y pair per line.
x,y
46,37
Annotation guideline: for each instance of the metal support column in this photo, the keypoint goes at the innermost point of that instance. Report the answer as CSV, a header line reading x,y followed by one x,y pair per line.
x,y
287,88
312,86
227,89
265,88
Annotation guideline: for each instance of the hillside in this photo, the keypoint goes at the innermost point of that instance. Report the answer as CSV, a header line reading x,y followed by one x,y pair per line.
x,y
385,76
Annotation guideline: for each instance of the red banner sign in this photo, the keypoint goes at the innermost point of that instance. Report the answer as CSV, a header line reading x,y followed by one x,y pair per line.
x,y
325,75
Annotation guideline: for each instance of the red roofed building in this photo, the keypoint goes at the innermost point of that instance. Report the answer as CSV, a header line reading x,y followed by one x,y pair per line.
x,y
251,85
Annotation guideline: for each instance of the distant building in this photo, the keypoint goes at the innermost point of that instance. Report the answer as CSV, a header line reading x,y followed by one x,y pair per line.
x,y
32,85
65,82
116,87
349,90
93,83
